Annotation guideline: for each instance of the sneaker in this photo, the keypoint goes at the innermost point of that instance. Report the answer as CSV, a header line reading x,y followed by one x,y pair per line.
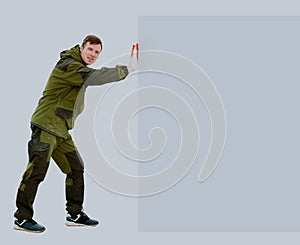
x,y
80,219
28,225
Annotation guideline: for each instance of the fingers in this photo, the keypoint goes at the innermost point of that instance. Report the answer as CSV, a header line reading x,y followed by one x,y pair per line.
x,y
132,66
137,51
135,47
132,51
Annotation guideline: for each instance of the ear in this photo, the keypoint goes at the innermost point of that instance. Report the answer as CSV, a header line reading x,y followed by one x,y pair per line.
x,y
81,48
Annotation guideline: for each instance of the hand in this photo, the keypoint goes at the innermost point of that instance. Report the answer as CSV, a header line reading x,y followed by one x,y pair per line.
x,y
132,65
133,62
130,68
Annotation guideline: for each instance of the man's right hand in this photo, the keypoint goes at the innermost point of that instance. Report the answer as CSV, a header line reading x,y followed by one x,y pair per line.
x,y
133,63
131,68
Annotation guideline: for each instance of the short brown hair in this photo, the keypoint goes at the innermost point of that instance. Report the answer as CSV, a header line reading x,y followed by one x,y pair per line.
x,y
92,39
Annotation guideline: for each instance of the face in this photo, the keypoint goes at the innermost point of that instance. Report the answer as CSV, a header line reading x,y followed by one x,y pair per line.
x,y
90,52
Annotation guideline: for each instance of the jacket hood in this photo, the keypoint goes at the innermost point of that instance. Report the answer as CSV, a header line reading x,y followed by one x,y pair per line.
x,y
72,53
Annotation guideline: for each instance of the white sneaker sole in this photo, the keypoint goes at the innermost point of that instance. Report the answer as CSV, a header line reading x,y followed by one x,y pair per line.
x,y
15,227
69,223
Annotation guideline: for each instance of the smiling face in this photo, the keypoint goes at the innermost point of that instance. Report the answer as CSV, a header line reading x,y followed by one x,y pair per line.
x,y
90,52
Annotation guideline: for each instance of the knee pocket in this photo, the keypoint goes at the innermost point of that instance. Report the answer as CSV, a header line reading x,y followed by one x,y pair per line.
x,y
75,161
38,149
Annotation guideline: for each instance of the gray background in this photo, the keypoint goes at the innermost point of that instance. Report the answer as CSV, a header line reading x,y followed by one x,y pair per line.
x,y
253,63
34,32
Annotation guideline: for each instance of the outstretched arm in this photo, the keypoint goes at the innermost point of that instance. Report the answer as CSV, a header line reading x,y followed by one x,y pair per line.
x,y
105,75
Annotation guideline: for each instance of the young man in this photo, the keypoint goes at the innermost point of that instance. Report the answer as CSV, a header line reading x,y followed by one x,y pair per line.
x,y
50,123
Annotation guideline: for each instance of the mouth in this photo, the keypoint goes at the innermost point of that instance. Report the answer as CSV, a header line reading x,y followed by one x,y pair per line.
x,y
90,60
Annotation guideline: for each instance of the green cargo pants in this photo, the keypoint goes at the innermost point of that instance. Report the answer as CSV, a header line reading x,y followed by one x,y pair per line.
x,y
41,148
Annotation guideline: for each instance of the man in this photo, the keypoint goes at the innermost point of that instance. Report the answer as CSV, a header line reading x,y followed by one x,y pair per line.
x,y
61,103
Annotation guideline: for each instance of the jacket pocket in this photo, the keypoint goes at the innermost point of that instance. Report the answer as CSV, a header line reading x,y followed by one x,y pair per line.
x,y
64,113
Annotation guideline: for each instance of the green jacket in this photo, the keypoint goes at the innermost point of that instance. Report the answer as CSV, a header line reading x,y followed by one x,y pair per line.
x,y
63,96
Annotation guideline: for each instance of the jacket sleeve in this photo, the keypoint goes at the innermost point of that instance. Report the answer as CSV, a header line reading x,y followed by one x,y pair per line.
x,y
104,75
